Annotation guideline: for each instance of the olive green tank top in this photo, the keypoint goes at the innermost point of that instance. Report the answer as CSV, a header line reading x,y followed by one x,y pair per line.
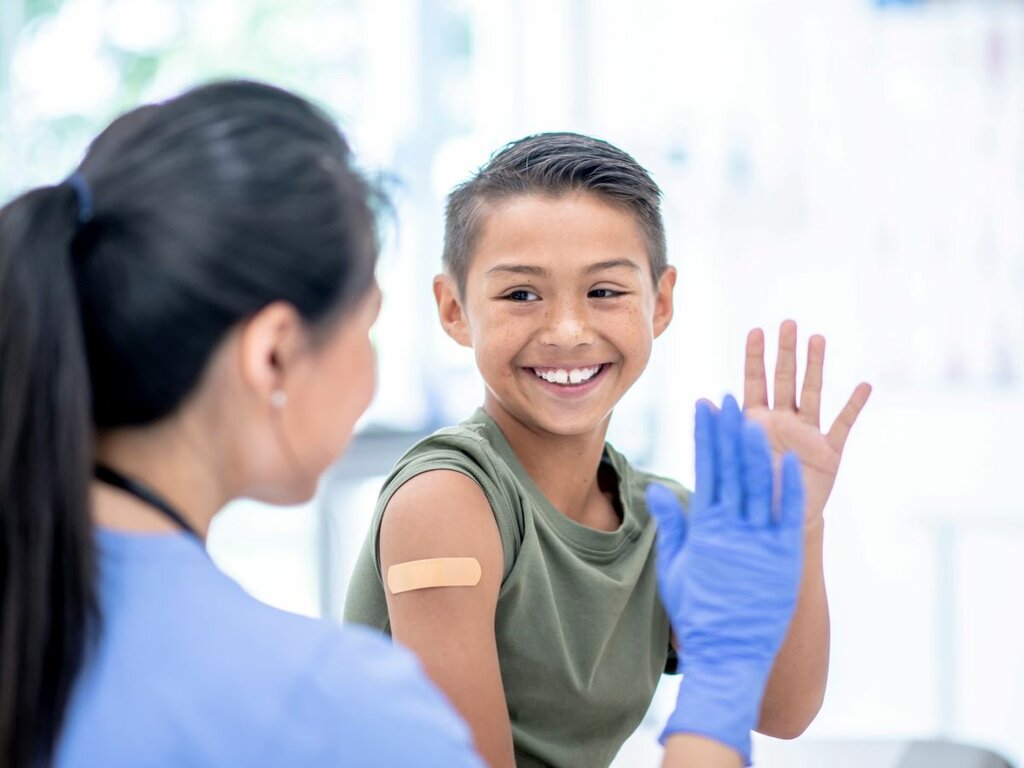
x,y
582,636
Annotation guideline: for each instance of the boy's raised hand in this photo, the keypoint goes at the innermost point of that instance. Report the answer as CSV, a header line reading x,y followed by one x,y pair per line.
x,y
729,573
797,428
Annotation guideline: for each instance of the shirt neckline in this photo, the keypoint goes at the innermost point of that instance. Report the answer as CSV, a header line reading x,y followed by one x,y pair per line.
x,y
588,540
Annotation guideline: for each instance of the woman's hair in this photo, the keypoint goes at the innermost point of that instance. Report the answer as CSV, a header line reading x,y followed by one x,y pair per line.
x,y
183,219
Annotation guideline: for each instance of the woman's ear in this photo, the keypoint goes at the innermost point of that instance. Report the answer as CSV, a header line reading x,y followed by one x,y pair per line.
x,y
269,343
450,311
663,308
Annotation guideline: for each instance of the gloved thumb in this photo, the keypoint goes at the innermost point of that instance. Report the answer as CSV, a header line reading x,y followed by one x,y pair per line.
x,y
667,511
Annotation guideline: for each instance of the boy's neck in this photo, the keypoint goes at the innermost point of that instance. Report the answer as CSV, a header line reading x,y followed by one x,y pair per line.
x,y
564,468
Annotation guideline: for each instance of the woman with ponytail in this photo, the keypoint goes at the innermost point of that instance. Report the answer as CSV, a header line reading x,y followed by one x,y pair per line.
x,y
184,321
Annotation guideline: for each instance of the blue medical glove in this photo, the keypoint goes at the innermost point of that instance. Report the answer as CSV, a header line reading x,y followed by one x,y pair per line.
x,y
729,574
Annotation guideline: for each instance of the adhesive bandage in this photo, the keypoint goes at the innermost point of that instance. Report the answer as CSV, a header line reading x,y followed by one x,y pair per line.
x,y
436,572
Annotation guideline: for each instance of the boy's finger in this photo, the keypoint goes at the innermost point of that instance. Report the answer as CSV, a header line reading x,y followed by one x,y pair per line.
x,y
785,368
791,514
810,395
667,512
757,475
755,383
844,422
729,462
704,427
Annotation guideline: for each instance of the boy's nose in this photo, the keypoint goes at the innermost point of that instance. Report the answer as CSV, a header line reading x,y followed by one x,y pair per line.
x,y
566,326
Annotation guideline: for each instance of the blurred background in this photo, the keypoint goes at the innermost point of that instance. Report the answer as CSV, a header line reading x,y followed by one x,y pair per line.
x,y
855,164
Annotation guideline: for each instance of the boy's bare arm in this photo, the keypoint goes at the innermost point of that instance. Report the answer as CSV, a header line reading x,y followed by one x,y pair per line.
x,y
796,687
444,513
684,750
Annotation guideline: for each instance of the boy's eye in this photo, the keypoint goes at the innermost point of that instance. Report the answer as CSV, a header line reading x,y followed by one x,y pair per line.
x,y
522,295
603,293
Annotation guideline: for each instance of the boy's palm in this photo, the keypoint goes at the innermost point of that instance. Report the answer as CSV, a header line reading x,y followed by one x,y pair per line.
x,y
797,428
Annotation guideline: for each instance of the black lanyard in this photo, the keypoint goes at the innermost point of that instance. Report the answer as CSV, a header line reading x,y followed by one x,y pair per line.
x,y
111,477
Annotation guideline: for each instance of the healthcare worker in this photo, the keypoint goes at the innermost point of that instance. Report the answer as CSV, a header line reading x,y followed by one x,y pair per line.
x,y
184,321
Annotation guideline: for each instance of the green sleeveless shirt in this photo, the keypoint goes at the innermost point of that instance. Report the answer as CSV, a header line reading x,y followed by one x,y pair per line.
x,y
582,637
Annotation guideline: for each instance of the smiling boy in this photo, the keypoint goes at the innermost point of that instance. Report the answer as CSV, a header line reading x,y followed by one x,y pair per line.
x,y
556,275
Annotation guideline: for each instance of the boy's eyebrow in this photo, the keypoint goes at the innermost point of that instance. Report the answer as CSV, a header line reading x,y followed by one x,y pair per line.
x,y
613,264
529,269
517,269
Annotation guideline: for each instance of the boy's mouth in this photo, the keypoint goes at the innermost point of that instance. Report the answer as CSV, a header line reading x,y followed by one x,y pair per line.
x,y
569,376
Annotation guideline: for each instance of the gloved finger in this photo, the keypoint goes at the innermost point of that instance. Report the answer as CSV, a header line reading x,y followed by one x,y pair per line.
x,y
730,424
791,514
757,475
704,427
791,525
667,511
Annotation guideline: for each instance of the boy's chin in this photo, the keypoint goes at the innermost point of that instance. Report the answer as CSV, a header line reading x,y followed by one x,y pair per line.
x,y
545,419
570,425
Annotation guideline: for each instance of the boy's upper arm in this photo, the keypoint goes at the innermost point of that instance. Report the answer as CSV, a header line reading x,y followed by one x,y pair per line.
x,y
439,514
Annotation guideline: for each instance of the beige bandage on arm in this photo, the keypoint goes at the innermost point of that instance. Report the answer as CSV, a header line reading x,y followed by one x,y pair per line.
x,y
436,572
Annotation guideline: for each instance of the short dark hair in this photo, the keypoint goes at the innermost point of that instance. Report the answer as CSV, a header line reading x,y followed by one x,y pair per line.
x,y
552,164
116,287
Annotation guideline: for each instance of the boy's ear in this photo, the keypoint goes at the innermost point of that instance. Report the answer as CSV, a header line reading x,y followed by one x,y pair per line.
x,y
663,300
449,310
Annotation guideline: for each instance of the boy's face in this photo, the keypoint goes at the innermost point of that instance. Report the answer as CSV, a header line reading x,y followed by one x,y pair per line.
x,y
560,308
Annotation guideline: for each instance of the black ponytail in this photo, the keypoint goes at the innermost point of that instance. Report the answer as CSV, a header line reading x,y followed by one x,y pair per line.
x,y
201,210
48,608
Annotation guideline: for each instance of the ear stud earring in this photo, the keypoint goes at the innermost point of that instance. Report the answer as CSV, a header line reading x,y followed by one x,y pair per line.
x,y
278,399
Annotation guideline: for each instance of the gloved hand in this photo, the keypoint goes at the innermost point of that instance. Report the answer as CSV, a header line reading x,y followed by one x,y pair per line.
x,y
729,574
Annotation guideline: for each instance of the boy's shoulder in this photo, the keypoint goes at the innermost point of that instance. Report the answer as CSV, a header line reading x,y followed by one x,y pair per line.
x,y
473,433
474,447
477,449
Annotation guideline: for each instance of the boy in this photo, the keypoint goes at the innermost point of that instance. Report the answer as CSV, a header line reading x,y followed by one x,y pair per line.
x,y
556,276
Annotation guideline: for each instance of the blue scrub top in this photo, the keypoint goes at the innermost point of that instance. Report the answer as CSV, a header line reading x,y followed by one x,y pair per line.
x,y
191,671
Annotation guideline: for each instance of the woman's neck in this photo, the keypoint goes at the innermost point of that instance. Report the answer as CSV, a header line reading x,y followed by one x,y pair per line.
x,y
169,460
563,467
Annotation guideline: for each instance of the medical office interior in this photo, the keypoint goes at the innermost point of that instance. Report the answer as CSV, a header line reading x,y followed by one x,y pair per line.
x,y
857,165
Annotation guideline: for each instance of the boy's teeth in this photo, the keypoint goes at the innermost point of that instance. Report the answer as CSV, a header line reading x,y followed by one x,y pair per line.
x,y
563,376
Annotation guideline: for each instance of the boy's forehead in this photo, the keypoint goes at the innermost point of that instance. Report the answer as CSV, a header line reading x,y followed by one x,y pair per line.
x,y
571,232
